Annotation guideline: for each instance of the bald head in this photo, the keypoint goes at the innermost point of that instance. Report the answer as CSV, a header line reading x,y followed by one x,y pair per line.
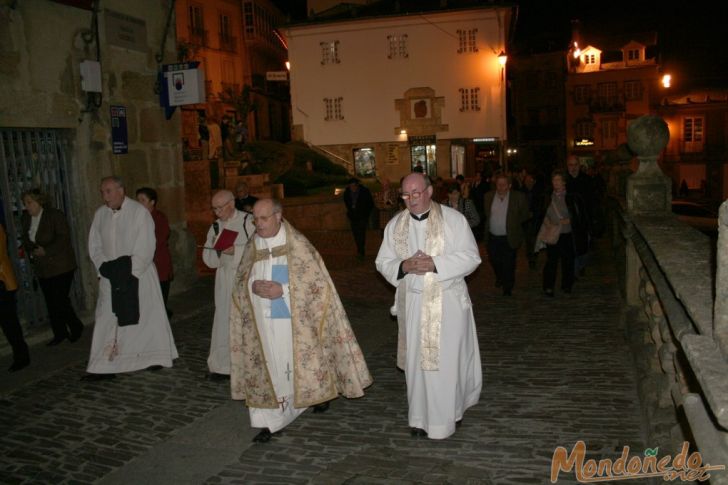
x,y
223,204
267,215
416,192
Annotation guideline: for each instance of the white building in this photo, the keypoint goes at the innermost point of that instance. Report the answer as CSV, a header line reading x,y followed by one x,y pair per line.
x,y
384,94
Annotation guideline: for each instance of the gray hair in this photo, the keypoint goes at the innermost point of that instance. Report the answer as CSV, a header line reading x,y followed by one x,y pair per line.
x,y
113,178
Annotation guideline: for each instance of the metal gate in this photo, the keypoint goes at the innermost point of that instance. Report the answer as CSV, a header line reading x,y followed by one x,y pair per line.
x,y
33,158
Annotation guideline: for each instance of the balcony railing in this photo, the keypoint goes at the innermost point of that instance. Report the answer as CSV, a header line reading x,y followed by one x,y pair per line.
x,y
197,36
228,43
606,105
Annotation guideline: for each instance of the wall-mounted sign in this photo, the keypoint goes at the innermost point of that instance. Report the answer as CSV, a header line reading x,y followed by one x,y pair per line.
x,y
125,31
119,133
393,154
584,142
489,139
185,84
276,76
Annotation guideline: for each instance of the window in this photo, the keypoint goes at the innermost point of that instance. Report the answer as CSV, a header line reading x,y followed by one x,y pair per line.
x,y
693,134
364,162
609,133
248,17
633,55
469,99
227,41
632,90
330,52
607,92
333,109
196,25
397,46
467,41
581,94
584,129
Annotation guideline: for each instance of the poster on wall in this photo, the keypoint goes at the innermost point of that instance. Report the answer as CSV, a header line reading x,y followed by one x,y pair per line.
x,y
119,133
364,162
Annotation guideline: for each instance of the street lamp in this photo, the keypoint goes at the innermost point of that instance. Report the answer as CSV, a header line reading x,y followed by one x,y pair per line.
x,y
502,59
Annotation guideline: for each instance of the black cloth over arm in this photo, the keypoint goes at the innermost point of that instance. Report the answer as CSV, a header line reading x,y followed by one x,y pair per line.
x,y
124,290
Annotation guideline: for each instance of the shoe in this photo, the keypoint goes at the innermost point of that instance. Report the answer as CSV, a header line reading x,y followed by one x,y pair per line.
x,y
418,433
549,292
55,341
19,364
155,367
321,408
215,377
263,437
98,377
75,335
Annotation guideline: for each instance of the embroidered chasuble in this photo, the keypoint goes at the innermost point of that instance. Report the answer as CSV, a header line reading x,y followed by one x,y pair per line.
x,y
296,351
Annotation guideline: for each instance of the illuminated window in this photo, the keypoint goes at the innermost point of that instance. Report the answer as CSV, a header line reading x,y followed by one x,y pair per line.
x,y
333,110
469,99
633,55
693,134
397,46
467,41
330,52
590,59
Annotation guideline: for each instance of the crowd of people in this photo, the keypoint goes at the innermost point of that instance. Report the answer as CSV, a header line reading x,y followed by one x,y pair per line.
x,y
279,332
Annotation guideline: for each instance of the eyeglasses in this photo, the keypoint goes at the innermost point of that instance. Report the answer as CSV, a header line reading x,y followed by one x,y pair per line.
x,y
263,218
218,208
411,195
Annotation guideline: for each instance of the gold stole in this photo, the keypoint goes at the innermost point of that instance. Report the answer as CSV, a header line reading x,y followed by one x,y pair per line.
x,y
431,309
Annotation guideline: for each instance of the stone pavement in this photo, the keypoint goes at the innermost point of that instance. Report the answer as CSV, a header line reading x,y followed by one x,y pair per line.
x,y
555,371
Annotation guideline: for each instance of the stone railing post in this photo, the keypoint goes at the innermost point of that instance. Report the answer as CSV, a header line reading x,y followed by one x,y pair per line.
x,y
720,309
648,190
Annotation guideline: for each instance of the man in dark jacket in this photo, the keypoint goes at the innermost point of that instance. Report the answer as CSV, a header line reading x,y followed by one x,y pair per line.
x,y
505,212
359,204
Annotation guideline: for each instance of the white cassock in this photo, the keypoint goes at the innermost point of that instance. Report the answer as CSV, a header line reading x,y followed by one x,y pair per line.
x,y
227,265
438,398
128,231
275,330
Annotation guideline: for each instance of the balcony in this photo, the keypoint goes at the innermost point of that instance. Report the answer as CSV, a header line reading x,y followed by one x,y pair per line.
x,y
197,35
228,43
606,105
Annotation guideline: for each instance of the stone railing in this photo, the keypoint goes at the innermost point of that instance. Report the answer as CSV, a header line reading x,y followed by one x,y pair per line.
x,y
676,324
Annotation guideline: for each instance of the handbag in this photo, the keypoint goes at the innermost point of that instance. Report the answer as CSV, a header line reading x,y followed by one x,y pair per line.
x,y
549,232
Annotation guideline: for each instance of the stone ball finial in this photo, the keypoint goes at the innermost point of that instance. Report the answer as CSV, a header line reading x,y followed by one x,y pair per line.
x,y
647,136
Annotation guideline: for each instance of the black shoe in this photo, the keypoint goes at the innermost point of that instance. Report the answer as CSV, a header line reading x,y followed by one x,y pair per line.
x,y
549,292
75,335
263,437
98,377
55,341
19,364
215,377
321,408
155,367
418,432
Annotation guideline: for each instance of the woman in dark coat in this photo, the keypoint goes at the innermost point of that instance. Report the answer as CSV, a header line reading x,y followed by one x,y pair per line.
x,y
47,241
569,212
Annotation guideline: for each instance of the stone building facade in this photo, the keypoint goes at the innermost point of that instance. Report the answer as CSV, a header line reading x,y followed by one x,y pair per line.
x,y
63,139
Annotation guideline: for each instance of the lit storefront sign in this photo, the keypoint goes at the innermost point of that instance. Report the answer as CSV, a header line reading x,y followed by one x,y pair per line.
x,y
584,142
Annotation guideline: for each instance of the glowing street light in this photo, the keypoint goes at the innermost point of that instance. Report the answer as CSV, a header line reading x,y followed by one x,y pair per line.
x,y
502,58
666,80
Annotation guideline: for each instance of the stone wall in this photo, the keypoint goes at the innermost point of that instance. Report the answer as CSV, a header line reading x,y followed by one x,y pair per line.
x,y
41,46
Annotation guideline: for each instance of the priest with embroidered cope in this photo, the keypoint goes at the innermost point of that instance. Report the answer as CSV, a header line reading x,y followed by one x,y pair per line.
x,y
427,251
291,342
223,251
132,331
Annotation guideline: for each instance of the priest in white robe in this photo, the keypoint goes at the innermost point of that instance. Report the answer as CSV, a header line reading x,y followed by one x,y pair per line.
x,y
427,251
225,260
291,341
123,227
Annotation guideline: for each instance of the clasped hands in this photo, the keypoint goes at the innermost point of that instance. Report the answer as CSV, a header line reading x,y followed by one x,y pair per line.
x,y
419,264
267,289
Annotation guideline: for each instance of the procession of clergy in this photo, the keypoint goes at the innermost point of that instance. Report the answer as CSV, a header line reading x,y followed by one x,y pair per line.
x,y
280,331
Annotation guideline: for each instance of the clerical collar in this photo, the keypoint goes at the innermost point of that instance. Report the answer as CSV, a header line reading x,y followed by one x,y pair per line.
x,y
421,217
118,208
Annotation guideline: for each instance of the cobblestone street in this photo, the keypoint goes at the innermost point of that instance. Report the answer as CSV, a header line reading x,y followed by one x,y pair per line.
x,y
555,371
